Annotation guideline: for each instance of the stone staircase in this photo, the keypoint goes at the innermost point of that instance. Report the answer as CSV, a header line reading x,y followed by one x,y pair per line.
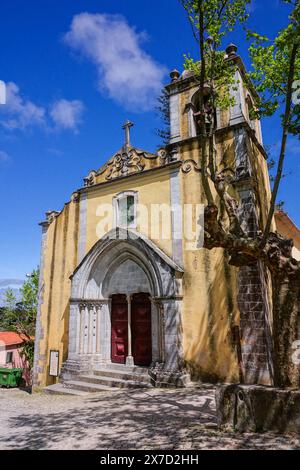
x,y
108,378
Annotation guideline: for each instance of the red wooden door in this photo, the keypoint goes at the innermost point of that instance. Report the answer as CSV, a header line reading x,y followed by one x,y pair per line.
x,y
141,329
119,329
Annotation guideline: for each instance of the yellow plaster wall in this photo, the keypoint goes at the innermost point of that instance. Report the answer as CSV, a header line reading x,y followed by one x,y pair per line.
x,y
152,188
60,260
209,289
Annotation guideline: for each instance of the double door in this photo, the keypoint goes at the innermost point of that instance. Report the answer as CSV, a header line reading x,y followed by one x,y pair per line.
x,y
138,310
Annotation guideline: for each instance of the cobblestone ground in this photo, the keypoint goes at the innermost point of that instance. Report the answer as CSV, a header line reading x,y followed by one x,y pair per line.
x,y
132,419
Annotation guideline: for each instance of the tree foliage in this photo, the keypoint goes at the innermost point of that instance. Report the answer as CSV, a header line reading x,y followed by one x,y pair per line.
x,y
219,72
8,316
28,304
275,73
219,17
270,69
21,316
210,21
163,110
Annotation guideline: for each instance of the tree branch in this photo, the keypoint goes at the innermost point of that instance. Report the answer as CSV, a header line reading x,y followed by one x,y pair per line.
x,y
204,177
190,21
286,124
277,254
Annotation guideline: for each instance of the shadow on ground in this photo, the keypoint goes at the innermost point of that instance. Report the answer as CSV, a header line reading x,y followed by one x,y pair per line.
x,y
132,419
119,420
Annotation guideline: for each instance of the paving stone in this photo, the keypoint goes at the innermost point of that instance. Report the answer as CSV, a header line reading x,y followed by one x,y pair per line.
x,y
122,420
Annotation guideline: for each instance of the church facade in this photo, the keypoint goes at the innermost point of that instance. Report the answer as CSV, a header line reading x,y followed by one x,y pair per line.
x,y
124,279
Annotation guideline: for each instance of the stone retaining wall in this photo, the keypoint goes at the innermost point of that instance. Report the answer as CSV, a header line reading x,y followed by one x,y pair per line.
x,y
254,408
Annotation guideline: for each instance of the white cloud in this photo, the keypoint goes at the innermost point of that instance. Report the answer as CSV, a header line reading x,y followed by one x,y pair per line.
x,y
67,114
3,156
19,113
126,71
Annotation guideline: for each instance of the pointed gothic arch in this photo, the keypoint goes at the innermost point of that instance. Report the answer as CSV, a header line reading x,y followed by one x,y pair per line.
x,y
88,280
124,262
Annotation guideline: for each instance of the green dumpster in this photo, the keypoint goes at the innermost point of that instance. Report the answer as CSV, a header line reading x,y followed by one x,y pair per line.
x,y
10,377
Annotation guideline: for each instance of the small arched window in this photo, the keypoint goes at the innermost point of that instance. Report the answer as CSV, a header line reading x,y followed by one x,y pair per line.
x,y
209,114
125,209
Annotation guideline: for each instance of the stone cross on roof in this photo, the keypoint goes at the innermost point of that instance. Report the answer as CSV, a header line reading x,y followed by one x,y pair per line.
x,y
126,127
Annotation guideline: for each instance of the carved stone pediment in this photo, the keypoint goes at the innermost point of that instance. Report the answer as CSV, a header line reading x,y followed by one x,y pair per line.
x,y
126,161
90,180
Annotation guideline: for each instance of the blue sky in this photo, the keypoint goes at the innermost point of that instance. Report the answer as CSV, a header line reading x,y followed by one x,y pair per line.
x,y
74,78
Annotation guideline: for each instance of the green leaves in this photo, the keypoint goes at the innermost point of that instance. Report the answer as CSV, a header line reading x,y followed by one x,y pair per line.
x,y
220,16
220,72
29,292
8,317
270,67
21,316
210,21
28,352
163,110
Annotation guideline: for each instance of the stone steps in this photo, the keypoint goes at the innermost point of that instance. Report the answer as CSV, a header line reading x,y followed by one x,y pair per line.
x,y
88,387
111,381
123,367
108,378
60,389
124,374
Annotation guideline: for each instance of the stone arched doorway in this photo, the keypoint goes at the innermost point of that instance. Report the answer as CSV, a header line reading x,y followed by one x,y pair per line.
x,y
124,264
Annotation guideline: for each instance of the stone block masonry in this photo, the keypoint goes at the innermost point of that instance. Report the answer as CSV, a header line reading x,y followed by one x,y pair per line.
x,y
252,305
256,344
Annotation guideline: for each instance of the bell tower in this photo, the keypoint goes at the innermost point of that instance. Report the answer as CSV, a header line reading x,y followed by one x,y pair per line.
x,y
184,97
238,145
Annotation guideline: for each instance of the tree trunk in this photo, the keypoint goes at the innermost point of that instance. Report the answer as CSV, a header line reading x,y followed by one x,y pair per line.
x,y
286,310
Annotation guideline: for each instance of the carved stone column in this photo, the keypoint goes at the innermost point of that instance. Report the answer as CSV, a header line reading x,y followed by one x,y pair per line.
x,y
105,331
159,309
96,329
156,334
170,372
129,358
90,310
81,327
85,329
79,361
